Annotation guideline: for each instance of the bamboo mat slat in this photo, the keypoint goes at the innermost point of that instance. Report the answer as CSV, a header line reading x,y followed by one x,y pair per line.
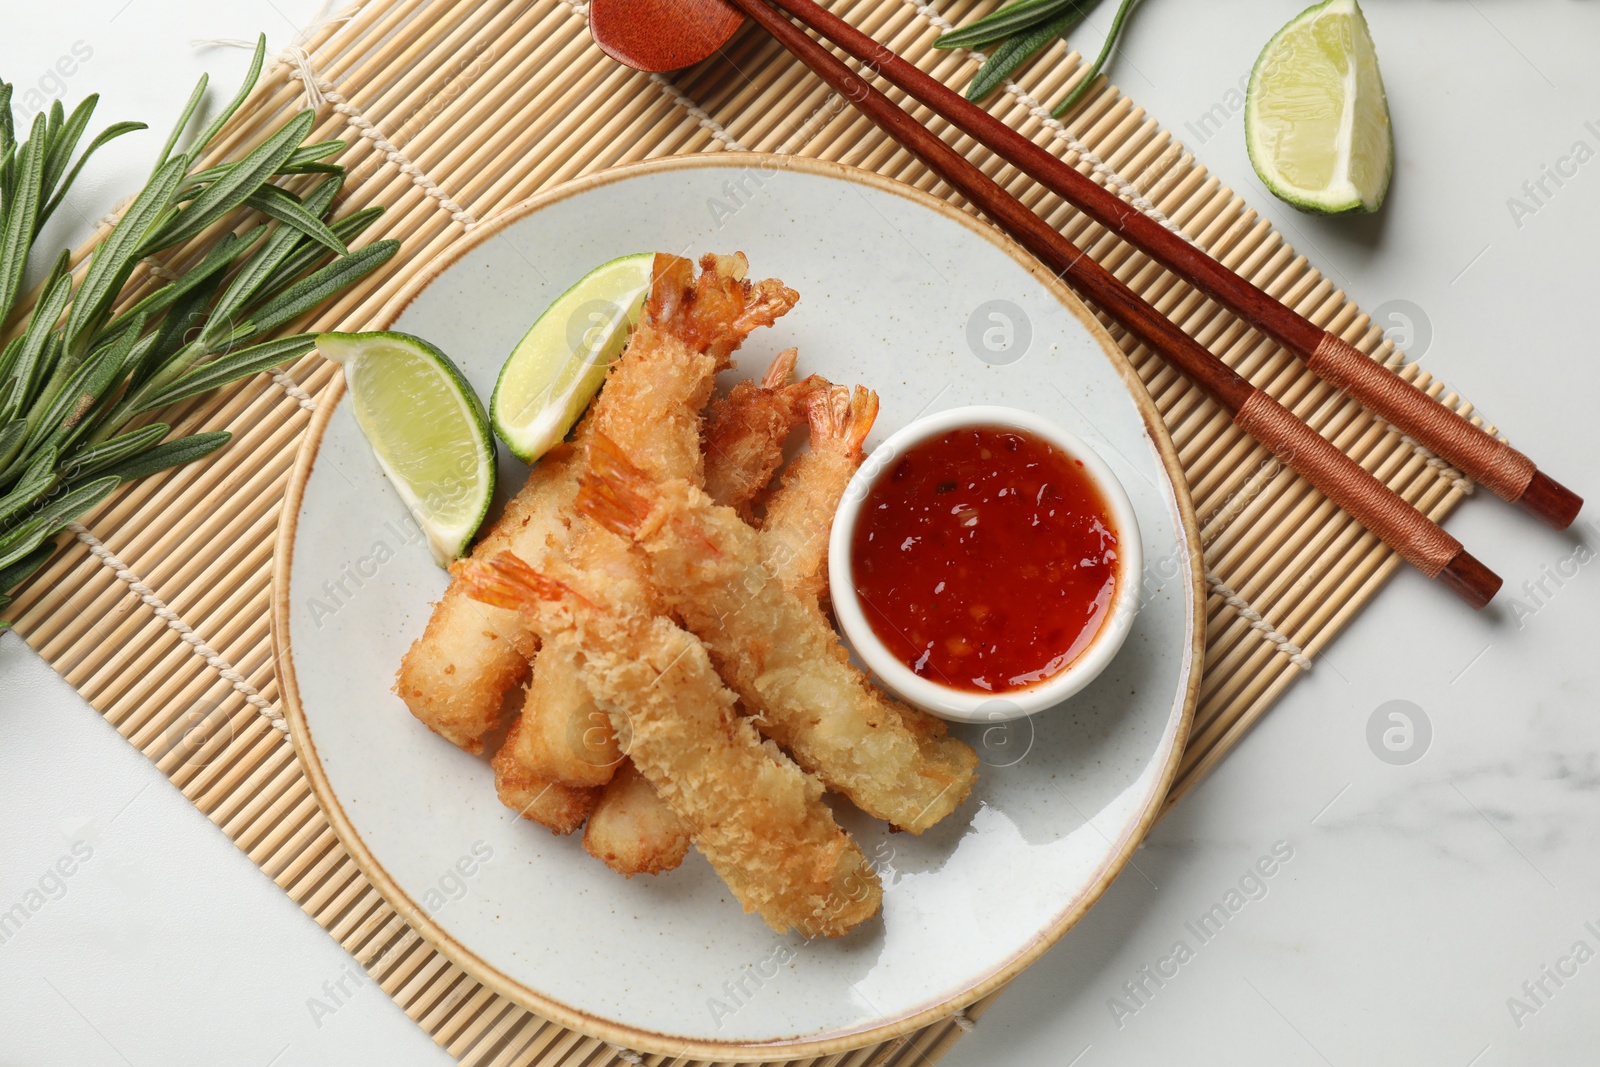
x,y
458,109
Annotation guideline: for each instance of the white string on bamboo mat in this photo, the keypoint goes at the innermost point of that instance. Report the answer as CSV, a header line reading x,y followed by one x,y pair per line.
x,y
1260,625
319,91
696,112
701,117
158,271
1457,479
292,387
215,661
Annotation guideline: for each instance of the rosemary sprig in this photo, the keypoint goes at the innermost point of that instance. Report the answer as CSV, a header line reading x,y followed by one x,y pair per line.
x,y
1024,28
86,365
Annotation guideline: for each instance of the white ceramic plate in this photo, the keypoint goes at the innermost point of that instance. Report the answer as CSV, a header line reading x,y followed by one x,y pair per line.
x,y
900,292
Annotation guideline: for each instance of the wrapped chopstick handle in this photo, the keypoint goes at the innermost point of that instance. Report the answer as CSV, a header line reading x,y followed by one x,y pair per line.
x,y
1489,461
1417,539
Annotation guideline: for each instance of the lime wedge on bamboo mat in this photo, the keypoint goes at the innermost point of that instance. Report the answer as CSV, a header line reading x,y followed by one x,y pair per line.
x,y
427,428
558,366
1316,120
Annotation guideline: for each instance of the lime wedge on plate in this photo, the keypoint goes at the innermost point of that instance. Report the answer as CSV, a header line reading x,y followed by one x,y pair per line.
x,y
558,366
1316,120
426,426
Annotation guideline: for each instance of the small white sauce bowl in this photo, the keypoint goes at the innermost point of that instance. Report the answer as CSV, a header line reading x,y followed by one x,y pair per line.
x,y
959,705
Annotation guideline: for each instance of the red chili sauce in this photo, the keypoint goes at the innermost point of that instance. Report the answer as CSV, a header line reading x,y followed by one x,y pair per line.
x,y
985,559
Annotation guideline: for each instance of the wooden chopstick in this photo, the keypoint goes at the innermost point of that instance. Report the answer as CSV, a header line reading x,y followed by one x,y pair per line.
x,y
1412,535
1481,456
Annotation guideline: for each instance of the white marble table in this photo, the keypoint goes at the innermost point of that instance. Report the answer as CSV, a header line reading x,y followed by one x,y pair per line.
x,y
1427,912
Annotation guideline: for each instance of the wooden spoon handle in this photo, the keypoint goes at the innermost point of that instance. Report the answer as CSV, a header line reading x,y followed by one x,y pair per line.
x,y
1415,537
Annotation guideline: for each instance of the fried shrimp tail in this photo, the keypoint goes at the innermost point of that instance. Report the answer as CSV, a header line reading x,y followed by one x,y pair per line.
x,y
612,492
778,653
794,535
507,582
746,431
719,309
756,816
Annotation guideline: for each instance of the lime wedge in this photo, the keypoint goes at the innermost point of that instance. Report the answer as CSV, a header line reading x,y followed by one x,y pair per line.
x,y
1316,120
558,366
427,428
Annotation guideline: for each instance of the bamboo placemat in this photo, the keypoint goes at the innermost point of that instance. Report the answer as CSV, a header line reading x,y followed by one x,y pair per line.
x,y
456,109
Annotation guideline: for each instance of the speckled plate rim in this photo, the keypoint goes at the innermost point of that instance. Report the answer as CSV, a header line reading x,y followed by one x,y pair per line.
x,y
610,1030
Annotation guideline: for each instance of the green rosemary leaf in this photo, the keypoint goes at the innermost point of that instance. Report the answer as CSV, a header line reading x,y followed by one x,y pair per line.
x,y
8,359
1010,19
21,571
92,459
275,203
29,536
1017,50
136,355
64,143
12,434
229,191
114,259
319,285
22,212
217,260
303,157
8,129
105,137
172,454
58,270
51,369
261,268
8,142
226,113
54,418
172,335
308,255
57,119
1087,81
31,360
38,476
228,368
184,118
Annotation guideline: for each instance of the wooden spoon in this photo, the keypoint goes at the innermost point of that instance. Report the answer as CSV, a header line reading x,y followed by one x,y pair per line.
x,y
661,35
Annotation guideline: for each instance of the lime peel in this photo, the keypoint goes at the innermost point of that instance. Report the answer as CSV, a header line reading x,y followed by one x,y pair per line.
x,y
561,361
1316,117
427,428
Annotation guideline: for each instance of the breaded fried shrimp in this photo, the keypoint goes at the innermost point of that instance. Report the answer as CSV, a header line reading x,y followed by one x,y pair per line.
x,y
632,830
757,817
794,534
775,650
746,430
652,400
455,677
560,808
